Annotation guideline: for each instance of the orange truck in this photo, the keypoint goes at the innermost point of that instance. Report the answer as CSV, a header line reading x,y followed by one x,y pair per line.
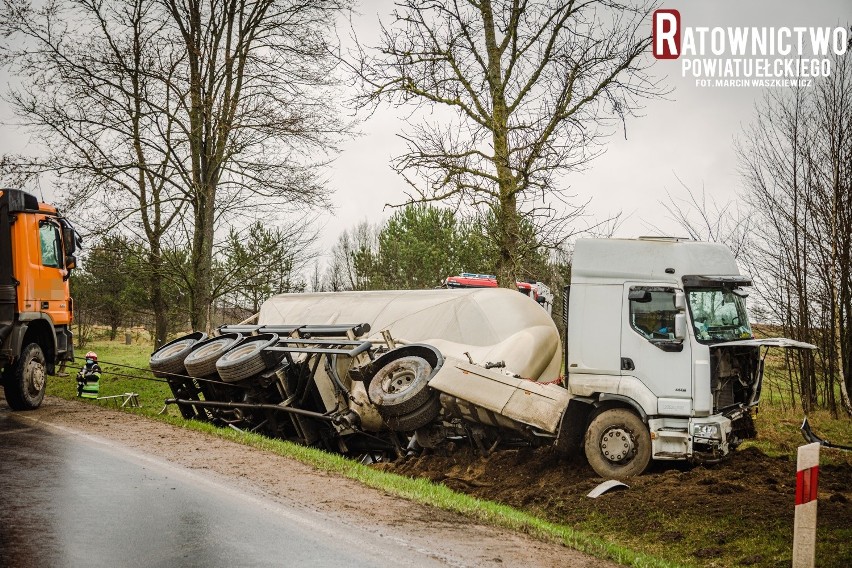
x,y
37,248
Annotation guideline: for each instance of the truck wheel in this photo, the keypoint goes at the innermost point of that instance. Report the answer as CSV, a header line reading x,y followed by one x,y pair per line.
x,y
168,359
618,444
417,419
246,359
401,386
201,361
25,382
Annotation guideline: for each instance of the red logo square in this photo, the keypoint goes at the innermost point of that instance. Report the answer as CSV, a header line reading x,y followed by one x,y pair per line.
x,y
666,26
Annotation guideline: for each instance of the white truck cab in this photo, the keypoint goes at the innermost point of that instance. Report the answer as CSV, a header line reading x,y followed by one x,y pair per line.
x,y
658,328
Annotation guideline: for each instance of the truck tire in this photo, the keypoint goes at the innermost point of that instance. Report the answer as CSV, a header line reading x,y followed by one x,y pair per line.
x,y
416,419
401,386
25,382
618,444
201,361
168,359
246,359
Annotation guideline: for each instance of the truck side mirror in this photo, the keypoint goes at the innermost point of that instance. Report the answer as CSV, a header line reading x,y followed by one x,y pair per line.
x,y
680,301
680,326
70,262
70,240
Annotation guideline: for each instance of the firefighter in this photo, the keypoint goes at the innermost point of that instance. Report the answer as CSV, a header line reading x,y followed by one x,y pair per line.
x,y
89,377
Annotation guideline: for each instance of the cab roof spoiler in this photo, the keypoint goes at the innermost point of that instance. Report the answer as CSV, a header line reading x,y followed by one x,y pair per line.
x,y
710,281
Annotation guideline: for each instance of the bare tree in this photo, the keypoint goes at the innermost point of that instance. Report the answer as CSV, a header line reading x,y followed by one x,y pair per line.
x,y
315,283
351,259
169,117
705,219
103,123
531,85
796,160
833,206
255,78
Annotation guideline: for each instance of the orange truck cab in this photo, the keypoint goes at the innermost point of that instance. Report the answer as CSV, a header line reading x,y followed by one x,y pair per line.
x,y
37,248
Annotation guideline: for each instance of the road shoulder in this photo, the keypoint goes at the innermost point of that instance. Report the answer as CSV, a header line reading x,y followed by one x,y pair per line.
x,y
288,482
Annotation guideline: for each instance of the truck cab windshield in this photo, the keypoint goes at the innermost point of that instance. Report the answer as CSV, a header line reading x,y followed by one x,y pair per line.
x,y
718,314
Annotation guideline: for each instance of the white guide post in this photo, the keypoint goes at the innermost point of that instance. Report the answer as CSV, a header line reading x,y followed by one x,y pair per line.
x,y
804,525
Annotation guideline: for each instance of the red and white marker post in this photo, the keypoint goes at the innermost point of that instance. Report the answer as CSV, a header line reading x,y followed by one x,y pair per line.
x,y
804,525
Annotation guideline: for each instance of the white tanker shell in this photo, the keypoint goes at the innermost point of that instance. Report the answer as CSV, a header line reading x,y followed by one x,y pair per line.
x,y
492,324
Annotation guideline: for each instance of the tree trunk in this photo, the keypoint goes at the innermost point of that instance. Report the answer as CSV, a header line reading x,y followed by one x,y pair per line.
x,y
507,212
507,239
844,310
202,260
158,302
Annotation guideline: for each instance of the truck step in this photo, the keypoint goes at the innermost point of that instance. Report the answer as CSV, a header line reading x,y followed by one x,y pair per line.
x,y
670,456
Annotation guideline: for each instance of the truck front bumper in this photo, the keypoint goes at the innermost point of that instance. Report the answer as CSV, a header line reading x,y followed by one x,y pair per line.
x,y
703,440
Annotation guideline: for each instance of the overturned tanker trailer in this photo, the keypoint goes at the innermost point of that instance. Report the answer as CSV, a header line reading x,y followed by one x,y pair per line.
x,y
360,372
661,363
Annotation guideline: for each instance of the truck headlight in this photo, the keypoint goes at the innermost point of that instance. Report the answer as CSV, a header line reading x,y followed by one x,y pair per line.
x,y
708,431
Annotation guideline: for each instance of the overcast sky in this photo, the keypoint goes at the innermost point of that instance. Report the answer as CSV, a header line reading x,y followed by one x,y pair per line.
x,y
690,135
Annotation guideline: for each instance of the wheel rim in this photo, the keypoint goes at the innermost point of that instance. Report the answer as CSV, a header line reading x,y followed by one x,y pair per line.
x,y
399,380
209,349
35,376
170,350
618,445
241,351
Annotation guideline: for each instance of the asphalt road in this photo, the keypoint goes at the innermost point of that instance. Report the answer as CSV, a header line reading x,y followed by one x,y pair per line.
x,y
68,499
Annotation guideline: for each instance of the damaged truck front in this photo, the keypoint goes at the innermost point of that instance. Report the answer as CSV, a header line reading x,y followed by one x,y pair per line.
x,y
660,363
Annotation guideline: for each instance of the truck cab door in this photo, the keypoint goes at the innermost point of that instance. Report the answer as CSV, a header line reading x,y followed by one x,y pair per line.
x,y
650,351
51,288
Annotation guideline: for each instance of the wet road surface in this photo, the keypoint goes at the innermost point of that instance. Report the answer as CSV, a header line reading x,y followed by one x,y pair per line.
x,y
68,499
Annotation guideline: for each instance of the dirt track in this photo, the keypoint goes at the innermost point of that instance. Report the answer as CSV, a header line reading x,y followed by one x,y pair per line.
x,y
451,538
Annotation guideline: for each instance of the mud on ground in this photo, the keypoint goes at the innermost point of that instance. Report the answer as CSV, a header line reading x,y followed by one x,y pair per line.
x,y
739,512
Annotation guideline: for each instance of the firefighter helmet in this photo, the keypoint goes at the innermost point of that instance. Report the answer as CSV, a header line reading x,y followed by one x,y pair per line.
x,y
92,355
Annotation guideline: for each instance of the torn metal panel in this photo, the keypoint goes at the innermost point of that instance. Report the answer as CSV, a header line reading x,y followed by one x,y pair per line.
x,y
606,486
782,342
809,436
521,400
